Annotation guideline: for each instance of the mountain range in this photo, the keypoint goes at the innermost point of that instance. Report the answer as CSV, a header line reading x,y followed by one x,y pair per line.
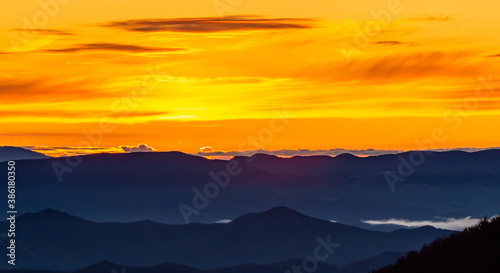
x,y
279,267
55,240
346,188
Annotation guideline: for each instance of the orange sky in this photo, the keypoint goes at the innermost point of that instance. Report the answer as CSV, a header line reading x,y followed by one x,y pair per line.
x,y
180,75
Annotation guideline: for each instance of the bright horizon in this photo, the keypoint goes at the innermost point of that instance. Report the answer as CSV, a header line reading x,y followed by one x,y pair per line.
x,y
210,153
250,75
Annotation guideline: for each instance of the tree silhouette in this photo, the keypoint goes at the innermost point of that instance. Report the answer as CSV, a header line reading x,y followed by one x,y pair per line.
x,y
475,249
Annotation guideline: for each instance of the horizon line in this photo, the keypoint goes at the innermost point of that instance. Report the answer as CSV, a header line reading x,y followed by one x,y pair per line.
x,y
58,151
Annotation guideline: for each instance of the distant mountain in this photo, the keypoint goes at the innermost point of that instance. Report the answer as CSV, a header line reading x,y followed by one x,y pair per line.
x,y
281,267
345,188
55,240
15,153
108,267
476,249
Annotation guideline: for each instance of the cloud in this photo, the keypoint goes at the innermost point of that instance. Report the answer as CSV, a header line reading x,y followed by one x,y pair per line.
x,y
77,113
206,149
223,221
211,24
431,18
56,151
62,151
446,223
388,43
329,152
393,43
139,148
46,148
399,67
232,80
300,152
15,91
493,56
112,47
46,31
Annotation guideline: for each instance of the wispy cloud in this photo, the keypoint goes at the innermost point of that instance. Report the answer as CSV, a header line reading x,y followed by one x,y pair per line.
x,y
58,151
400,67
45,90
394,43
76,113
445,223
209,152
46,31
211,24
112,47
431,18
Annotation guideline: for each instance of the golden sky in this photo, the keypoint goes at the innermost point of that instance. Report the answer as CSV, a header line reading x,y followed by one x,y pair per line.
x,y
180,75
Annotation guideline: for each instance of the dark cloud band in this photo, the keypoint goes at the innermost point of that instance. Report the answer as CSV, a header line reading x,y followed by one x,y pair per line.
x,y
112,47
211,24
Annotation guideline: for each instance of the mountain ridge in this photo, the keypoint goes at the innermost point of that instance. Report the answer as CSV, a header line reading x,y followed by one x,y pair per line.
x,y
101,186
8,153
61,241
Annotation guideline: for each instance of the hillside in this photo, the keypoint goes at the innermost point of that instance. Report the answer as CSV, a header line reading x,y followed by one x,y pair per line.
x,y
16,153
476,249
58,241
346,188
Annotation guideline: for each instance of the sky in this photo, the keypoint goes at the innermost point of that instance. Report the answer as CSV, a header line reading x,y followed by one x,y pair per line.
x,y
239,75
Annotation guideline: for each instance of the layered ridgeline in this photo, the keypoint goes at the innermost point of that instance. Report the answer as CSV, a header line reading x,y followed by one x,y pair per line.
x,y
279,267
55,240
348,189
476,249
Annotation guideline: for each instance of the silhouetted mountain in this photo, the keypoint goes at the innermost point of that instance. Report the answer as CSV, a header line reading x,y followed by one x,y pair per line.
x,y
15,153
345,188
29,271
476,249
276,214
108,267
55,240
280,267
